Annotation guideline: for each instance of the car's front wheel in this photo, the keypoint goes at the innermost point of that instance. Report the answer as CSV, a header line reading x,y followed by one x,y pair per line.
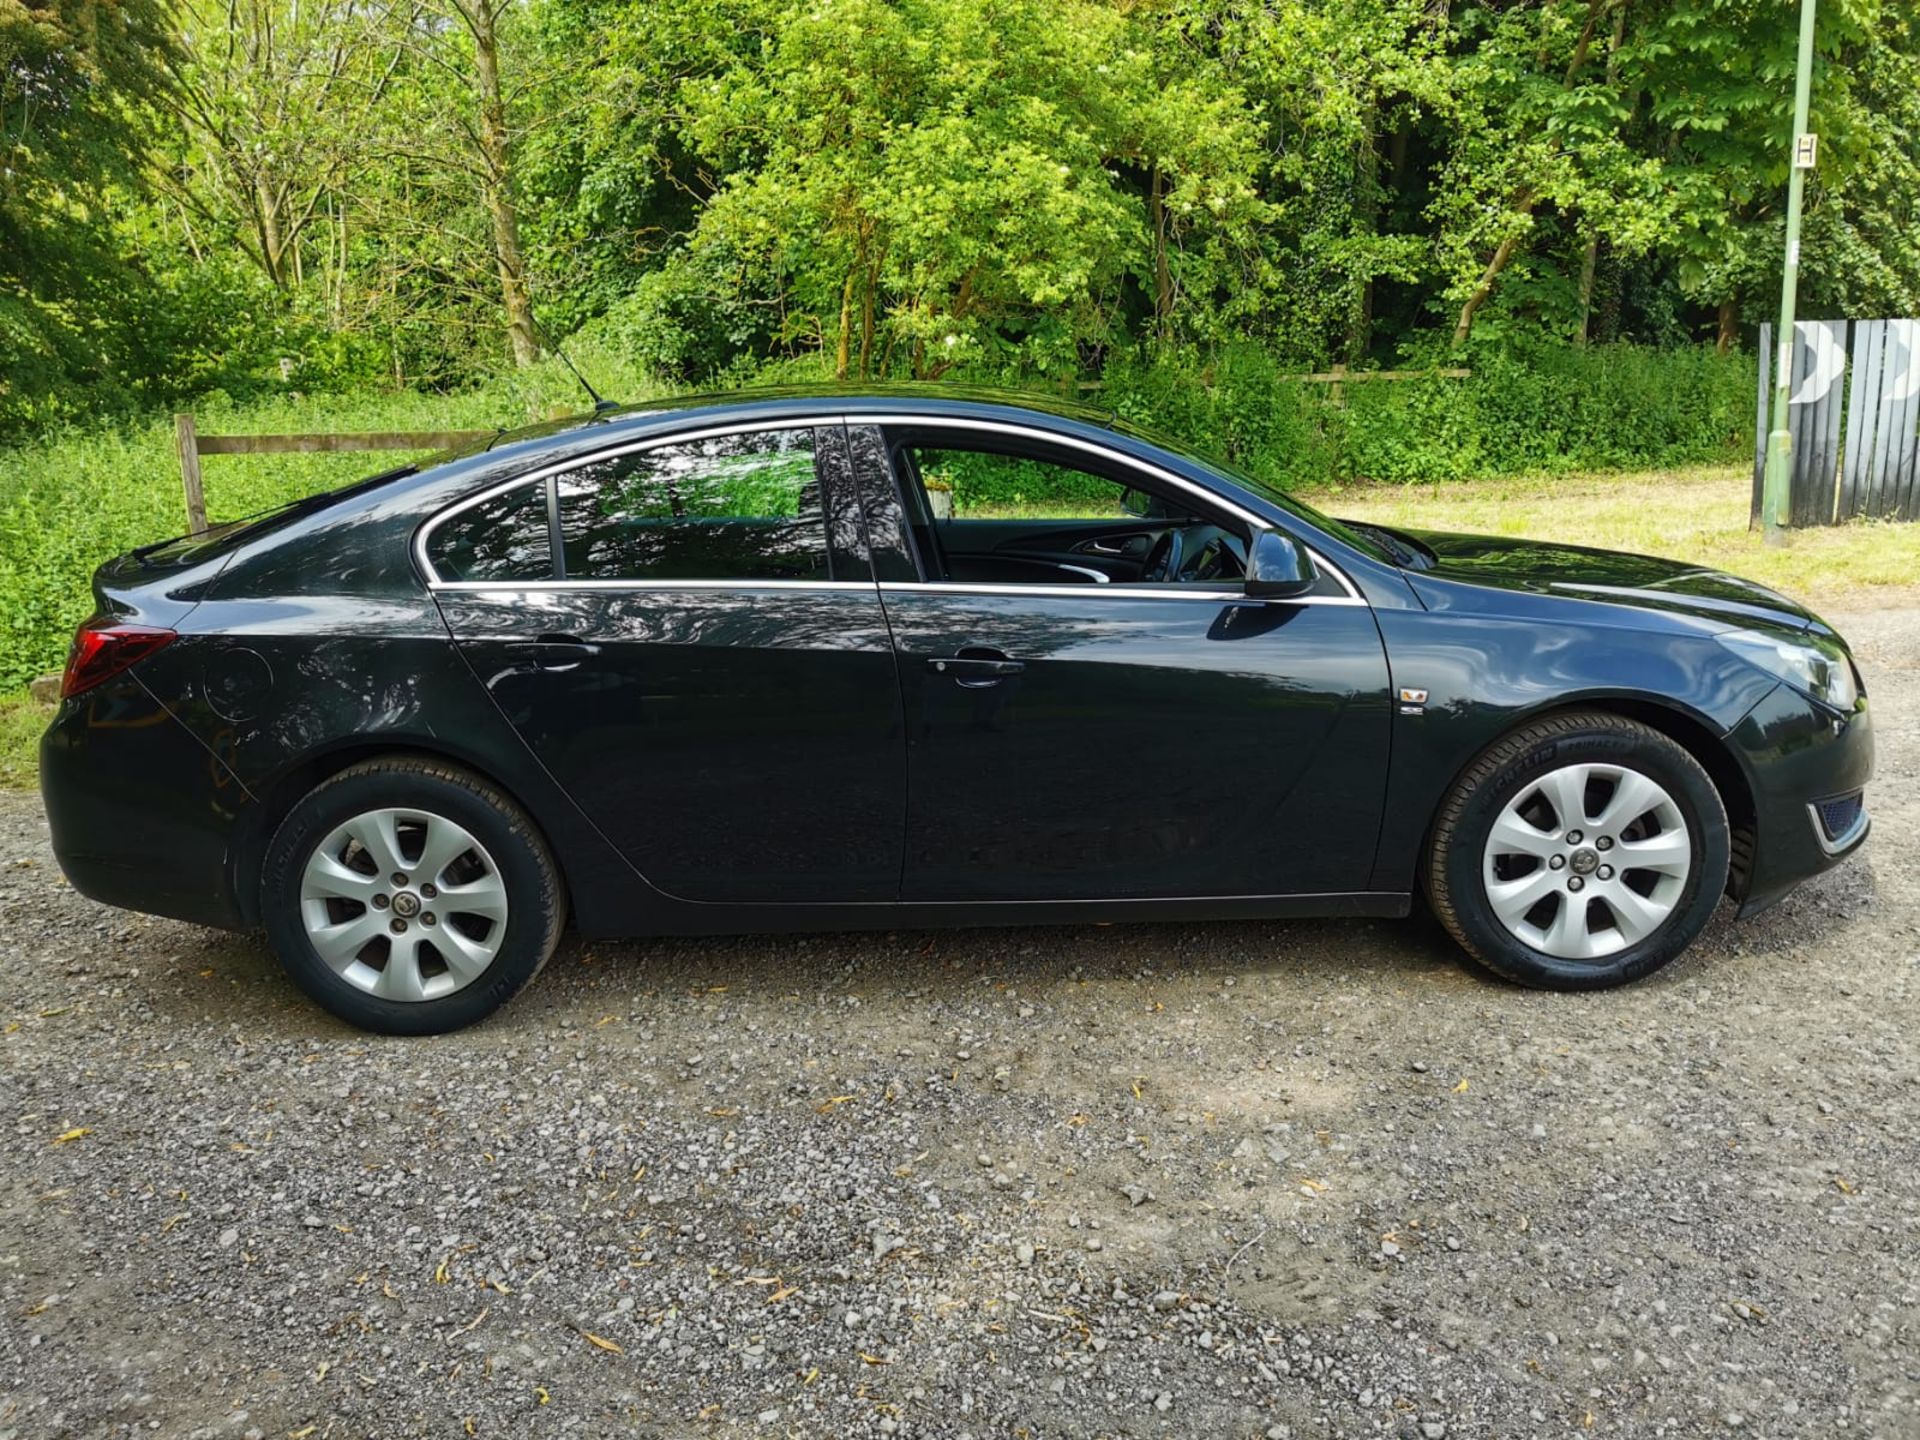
x,y
409,896
1580,851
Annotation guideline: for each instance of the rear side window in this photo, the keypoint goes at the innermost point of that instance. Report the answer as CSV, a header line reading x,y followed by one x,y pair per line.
x,y
503,538
729,507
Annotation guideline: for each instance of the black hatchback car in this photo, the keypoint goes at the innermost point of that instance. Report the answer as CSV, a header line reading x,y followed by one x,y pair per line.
x,y
827,660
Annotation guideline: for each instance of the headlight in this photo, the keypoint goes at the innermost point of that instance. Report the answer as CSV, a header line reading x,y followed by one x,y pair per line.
x,y
1811,665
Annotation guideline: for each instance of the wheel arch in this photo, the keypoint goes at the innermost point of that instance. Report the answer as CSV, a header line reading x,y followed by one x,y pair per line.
x,y
1690,731
274,799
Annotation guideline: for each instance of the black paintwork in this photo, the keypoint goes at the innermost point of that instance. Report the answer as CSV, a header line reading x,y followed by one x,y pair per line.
x,y
891,751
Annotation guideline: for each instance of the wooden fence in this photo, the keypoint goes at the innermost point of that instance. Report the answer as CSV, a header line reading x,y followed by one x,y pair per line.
x,y
192,445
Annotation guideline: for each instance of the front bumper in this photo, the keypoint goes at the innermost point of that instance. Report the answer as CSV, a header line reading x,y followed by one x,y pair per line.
x,y
141,813
1806,767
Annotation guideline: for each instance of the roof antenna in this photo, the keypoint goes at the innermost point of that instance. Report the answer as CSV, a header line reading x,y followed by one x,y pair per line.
x,y
600,405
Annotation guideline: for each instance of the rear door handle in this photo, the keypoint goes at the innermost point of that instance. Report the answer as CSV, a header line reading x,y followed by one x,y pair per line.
x,y
976,668
556,652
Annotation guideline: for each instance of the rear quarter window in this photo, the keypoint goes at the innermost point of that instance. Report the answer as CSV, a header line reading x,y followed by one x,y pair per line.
x,y
502,538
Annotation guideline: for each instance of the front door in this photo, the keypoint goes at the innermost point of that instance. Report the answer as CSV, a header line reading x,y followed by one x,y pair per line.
x,y
1144,732
701,660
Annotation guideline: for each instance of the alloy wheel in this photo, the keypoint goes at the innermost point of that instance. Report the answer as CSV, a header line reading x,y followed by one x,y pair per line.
x,y
404,904
1587,860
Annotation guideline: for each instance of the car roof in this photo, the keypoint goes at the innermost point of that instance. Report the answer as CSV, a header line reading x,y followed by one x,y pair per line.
x,y
928,397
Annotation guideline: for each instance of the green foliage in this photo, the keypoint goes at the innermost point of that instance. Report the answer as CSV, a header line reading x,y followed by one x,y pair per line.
x,y
685,321
74,77
22,721
1554,411
981,482
76,498
891,188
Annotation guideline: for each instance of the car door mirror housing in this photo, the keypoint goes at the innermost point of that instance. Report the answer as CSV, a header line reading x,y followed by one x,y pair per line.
x,y
1142,506
1279,567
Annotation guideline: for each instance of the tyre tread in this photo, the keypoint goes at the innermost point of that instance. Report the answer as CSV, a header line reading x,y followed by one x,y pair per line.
x,y
1485,767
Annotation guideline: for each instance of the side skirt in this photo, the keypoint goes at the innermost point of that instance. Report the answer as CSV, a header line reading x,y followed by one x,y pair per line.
x,y
689,918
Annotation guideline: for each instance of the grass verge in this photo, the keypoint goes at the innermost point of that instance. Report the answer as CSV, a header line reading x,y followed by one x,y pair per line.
x,y
21,721
1696,515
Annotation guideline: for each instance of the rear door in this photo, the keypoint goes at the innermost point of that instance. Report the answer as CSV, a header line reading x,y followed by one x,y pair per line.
x,y
1079,738
687,633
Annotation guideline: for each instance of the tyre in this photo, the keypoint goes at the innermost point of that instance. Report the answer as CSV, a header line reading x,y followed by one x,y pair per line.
x,y
410,897
1578,852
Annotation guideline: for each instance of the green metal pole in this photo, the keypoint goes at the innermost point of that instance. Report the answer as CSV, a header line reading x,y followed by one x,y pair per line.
x,y
1775,482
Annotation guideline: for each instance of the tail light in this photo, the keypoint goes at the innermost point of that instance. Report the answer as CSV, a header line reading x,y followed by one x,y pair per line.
x,y
102,649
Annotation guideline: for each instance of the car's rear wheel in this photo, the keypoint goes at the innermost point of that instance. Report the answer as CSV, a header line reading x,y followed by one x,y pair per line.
x,y
409,896
1581,851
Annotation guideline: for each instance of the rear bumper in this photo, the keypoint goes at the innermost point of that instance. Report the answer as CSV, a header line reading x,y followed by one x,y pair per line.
x,y
141,813
1807,768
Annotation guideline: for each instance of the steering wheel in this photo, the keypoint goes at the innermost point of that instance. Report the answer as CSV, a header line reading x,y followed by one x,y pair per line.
x,y
1163,561
1215,557
1220,557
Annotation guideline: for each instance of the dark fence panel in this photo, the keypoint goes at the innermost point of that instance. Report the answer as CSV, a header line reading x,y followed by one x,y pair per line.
x,y
1876,471
1819,357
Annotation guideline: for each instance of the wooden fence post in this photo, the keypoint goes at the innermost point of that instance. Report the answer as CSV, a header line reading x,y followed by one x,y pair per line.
x,y
189,445
1336,392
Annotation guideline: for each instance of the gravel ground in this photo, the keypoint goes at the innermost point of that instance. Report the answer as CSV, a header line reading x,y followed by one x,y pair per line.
x,y
1240,1180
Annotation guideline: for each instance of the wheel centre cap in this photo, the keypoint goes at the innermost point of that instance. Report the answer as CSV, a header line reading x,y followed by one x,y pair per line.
x,y
406,903
1583,862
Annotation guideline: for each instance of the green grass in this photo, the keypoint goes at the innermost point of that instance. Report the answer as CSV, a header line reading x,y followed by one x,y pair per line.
x,y
76,498
21,721
1697,515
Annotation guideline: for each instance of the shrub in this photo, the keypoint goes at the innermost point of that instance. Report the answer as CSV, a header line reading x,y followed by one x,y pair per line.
x,y
1609,407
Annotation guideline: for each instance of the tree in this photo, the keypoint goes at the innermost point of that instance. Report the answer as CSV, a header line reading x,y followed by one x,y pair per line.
x,y
1538,127
279,104
463,39
73,127
1338,86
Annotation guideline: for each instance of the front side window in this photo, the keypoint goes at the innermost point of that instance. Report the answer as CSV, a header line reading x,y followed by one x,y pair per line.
x,y
987,485
989,515
503,538
729,507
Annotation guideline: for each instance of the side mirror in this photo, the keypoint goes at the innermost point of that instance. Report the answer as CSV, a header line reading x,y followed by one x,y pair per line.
x,y
1279,568
1142,506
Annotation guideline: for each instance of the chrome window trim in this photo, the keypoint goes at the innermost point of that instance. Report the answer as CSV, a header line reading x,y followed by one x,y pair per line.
x,y
1112,456
1106,592
575,462
927,587
1037,433
844,586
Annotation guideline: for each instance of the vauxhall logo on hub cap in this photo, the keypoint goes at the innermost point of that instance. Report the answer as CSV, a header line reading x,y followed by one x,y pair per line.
x,y
408,904
1584,862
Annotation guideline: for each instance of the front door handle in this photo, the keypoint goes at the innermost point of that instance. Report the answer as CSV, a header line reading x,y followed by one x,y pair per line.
x,y
976,667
